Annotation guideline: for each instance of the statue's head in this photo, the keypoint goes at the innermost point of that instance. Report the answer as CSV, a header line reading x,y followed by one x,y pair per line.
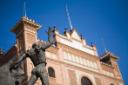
x,y
35,46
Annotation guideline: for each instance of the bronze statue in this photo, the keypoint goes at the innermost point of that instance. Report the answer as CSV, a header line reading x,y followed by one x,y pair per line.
x,y
37,56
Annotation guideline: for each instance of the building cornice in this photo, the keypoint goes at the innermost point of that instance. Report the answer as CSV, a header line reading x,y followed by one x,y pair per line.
x,y
25,20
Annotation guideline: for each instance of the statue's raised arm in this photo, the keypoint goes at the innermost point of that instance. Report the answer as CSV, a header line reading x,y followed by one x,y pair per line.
x,y
51,39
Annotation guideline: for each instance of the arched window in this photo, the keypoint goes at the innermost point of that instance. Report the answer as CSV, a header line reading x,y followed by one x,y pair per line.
x,y
85,81
51,72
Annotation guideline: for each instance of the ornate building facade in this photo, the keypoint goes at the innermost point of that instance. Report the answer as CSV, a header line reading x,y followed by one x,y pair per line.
x,y
71,62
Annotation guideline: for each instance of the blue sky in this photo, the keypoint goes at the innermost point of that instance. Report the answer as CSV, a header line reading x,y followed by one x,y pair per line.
x,y
95,19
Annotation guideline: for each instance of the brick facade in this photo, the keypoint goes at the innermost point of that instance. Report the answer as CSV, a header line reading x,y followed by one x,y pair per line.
x,y
71,59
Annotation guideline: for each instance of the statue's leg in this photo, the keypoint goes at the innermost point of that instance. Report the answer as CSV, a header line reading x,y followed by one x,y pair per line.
x,y
32,79
44,78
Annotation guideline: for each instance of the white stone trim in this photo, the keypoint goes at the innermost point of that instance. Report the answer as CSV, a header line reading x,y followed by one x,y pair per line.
x,y
108,73
79,60
78,45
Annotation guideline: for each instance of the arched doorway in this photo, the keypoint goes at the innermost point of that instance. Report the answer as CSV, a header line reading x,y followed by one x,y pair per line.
x,y
85,81
51,72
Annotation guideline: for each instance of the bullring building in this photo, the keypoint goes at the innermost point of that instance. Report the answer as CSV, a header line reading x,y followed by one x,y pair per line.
x,y
71,62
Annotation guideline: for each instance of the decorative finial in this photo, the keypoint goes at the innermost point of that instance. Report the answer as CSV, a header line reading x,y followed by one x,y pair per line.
x,y
69,19
92,44
65,30
81,36
24,10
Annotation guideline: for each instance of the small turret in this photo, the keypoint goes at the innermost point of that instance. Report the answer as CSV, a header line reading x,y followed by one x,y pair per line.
x,y
26,33
111,59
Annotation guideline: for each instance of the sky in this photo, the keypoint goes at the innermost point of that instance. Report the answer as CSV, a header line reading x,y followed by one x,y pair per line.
x,y
103,22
